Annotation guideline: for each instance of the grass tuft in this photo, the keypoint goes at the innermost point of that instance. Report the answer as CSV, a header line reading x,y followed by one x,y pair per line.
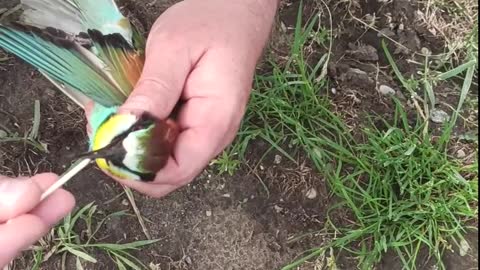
x,y
405,193
65,241
456,22
395,176
289,107
31,138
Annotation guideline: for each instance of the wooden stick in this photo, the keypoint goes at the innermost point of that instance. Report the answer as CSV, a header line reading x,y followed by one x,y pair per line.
x,y
69,174
130,197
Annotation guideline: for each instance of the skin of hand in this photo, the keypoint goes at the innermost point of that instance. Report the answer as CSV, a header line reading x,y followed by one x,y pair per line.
x,y
202,53
23,218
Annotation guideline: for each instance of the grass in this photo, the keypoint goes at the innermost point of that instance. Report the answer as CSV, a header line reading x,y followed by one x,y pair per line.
x,y
405,194
30,138
288,106
403,189
456,22
65,241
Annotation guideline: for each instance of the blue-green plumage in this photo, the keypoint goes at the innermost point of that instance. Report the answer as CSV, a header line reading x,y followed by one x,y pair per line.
x,y
91,52
65,65
98,116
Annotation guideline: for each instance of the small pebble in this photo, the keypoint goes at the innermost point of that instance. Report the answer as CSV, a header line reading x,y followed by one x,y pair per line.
x,y
153,266
461,154
208,213
125,202
358,71
439,116
311,194
386,90
334,91
277,159
226,195
277,208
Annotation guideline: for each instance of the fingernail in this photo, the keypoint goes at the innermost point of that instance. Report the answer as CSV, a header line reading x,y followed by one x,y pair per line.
x,y
11,191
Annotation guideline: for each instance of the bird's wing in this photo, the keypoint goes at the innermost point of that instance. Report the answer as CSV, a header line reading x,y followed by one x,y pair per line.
x,y
87,60
63,61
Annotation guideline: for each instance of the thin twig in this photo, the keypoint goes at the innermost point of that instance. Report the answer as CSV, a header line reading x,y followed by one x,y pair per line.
x,y
131,198
254,171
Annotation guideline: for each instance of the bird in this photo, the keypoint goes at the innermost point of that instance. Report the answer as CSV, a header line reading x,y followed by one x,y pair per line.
x,y
94,55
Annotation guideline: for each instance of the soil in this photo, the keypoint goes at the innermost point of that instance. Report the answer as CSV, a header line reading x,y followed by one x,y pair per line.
x,y
222,222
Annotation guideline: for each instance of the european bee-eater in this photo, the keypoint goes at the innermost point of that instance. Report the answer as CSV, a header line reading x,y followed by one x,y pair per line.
x,y
93,53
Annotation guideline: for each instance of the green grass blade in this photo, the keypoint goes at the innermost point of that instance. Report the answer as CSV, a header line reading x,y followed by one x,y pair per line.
x,y
36,121
81,254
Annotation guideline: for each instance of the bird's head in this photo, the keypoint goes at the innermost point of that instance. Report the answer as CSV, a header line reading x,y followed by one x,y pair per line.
x,y
134,147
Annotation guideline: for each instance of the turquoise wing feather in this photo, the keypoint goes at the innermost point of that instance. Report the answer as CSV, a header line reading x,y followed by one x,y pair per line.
x,y
67,65
90,51
105,17
93,54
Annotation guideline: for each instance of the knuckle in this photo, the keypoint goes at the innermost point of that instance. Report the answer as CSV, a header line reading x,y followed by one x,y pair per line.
x,y
154,83
155,95
163,36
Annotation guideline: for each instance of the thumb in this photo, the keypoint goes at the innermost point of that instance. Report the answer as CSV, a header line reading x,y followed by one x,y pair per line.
x,y
17,196
167,65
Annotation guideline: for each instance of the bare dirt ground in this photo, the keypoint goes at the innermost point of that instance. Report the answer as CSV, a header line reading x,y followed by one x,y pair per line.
x,y
218,222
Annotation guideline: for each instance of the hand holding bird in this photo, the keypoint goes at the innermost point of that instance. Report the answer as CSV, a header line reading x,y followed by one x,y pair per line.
x,y
199,59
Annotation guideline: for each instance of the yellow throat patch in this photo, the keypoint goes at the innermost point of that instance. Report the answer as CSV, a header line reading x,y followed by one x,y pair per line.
x,y
111,128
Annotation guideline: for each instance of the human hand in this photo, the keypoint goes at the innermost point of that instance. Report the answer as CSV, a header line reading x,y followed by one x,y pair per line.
x,y
23,219
202,53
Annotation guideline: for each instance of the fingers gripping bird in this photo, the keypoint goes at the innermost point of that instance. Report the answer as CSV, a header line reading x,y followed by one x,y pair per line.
x,y
92,53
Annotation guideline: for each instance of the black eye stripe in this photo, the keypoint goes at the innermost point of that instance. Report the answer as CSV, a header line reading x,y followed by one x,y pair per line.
x,y
144,122
146,177
117,156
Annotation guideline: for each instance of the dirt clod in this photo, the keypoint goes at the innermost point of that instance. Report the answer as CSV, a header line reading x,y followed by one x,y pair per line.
x,y
363,52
